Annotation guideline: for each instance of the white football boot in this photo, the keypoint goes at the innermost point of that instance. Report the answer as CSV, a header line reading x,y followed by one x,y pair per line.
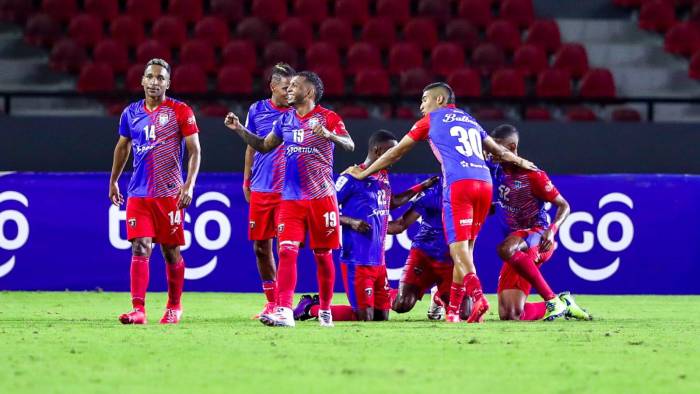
x,y
325,318
283,317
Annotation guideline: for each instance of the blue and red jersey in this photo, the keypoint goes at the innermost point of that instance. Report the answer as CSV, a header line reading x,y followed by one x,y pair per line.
x,y
456,140
267,174
520,196
368,200
157,139
308,173
431,234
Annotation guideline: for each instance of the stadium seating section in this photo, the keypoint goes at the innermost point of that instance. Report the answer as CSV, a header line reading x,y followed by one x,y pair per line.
x,y
384,48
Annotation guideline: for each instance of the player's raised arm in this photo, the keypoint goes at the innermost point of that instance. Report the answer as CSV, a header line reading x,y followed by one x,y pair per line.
x,y
262,145
194,152
384,161
121,155
405,221
402,198
503,154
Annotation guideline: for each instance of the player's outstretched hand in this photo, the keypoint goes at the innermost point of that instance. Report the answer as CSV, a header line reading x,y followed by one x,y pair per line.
x,y
528,165
184,198
232,122
114,195
355,172
547,240
360,226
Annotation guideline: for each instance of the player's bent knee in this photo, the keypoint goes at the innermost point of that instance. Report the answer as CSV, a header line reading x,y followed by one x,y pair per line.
x,y
141,247
262,249
321,252
505,251
404,304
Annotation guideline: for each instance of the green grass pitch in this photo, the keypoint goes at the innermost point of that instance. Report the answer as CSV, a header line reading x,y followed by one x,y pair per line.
x,y
72,343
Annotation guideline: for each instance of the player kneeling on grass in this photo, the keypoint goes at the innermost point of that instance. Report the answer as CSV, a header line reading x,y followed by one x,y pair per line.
x,y
156,128
521,198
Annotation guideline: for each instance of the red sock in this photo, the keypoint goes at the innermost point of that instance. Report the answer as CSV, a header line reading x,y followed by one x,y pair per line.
x,y
393,293
525,266
456,297
339,312
472,285
325,272
139,281
287,274
270,290
176,281
533,311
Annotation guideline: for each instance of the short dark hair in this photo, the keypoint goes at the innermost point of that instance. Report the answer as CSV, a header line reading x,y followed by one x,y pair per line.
x,y
282,70
315,80
158,62
442,85
381,136
504,131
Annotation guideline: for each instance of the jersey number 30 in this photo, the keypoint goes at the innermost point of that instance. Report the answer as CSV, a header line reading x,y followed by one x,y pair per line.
x,y
470,141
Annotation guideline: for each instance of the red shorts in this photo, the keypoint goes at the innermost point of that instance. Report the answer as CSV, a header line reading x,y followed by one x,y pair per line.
x,y
320,217
367,286
425,272
263,215
157,218
509,279
465,209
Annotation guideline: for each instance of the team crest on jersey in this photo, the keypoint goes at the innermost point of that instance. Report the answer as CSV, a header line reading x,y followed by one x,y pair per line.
x,y
517,184
252,224
163,119
280,227
132,222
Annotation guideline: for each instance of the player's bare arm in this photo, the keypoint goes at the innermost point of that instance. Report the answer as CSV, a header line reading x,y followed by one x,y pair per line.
x,y
502,154
262,145
563,210
345,141
402,198
405,221
384,161
121,155
355,224
247,171
194,152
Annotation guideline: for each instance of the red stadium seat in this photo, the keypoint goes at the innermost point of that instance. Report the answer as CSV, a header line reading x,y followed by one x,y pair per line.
x,y
104,9
240,52
67,56
682,39
60,10
553,82
311,11
489,113
333,81
521,12
530,59
152,49
170,30
545,33
507,83
598,83
487,57
255,30
336,31
229,10
96,78
404,56
657,15
538,114
280,51
626,115
505,34
17,11
466,82
694,69
270,11
397,10
134,77
213,29
573,58
85,29
216,110
380,32
462,32
354,11
296,33
234,79
353,112
143,10
198,52
127,29
322,54
581,114
422,31
438,10
695,13
189,78
412,82
405,112
446,57
189,10
477,12
114,53
42,30
372,82
362,55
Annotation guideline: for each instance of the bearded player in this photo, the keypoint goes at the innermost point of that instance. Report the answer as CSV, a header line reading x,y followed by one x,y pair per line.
x,y
521,199
456,139
309,133
158,128
263,176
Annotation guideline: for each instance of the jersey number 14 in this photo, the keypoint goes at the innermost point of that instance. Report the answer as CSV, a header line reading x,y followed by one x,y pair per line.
x,y
150,131
470,141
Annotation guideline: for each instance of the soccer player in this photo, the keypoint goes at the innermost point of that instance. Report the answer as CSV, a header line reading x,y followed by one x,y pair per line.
x,y
456,139
521,199
310,133
157,128
262,180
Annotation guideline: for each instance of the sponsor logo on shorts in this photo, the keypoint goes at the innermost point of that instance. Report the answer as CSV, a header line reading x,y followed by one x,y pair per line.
x,y
368,291
132,222
466,222
163,119
280,227
252,224
329,231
